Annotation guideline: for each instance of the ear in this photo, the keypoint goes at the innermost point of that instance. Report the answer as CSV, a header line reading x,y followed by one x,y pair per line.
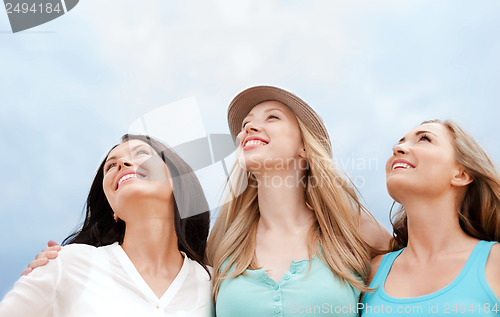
x,y
461,178
303,153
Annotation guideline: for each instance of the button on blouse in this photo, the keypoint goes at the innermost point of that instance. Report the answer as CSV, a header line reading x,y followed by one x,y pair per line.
x,y
301,292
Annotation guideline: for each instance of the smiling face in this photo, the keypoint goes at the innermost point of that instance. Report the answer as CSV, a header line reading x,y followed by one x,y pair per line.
x,y
270,138
134,171
423,163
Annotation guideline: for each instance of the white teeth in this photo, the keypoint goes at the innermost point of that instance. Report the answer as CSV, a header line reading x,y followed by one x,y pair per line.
x,y
403,165
125,177
254,142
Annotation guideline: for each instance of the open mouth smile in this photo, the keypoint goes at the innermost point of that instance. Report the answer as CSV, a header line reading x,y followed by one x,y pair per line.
x,y
127,177
401,164
253,142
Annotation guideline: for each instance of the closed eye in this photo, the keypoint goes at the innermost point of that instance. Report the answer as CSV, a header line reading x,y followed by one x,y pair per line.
x,y
425,137
272,117
110,166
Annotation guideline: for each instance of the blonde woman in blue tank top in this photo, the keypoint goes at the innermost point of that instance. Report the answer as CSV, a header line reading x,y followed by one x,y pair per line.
x,y
447,261
288,242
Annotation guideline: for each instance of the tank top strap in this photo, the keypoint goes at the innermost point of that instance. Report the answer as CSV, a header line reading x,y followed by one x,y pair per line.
x,y
473,276
484,248
475,261
384,268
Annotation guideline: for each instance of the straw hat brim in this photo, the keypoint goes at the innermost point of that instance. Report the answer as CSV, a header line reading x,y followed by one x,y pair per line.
x,y
243,103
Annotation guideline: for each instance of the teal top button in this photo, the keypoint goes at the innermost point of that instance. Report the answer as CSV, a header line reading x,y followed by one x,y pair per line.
x,y
314,293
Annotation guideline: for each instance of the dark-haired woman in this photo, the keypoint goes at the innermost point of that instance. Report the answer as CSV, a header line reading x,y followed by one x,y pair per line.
x,y
446,259
140,249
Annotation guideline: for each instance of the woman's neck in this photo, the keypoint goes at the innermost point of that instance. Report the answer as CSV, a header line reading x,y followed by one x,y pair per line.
x,y
151,242
433,226
282,203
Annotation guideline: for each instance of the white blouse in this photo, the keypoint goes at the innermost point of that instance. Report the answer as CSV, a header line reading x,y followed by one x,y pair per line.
x,y
88,281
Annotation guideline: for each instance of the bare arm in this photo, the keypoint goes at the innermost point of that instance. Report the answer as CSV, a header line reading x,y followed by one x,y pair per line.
x,y
374,233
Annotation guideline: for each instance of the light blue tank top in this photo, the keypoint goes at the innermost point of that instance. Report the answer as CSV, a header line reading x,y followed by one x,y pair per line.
x,y
467,295
300,292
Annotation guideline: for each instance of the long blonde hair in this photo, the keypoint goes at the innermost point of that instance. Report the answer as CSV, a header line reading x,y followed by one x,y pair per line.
x,y
336,207
479,215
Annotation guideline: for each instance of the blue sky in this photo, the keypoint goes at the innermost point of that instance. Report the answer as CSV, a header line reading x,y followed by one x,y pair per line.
x,y
372,69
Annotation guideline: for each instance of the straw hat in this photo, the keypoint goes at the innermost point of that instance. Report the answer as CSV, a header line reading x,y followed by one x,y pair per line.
x,y
241,105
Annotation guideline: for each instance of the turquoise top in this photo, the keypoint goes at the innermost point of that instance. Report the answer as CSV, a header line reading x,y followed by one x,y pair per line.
x,y
467,295
299,293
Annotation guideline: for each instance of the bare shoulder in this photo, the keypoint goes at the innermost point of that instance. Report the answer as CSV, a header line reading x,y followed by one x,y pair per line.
x,y
493,269
375,263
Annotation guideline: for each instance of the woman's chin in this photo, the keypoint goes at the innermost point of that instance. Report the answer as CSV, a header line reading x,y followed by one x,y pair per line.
x,y
397,186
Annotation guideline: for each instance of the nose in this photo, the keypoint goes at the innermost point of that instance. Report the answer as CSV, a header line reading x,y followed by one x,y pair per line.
x,y
250,126
399,148
123,163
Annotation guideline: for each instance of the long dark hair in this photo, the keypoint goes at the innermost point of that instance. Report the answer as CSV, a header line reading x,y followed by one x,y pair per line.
x,y
99,228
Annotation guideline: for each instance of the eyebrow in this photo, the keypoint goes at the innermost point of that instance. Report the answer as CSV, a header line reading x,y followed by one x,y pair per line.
x,y
266,111
131,150
417,134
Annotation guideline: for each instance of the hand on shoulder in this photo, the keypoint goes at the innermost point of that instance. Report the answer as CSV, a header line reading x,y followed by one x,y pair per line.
x,y
42,258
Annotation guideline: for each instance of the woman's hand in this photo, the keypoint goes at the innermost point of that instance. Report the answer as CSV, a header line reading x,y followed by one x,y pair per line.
x,y
43,257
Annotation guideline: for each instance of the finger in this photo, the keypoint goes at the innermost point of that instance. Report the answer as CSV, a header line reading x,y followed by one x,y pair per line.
x,y
41,255
27,271
51,254
37,263
52,243
47,255
49,249
56,247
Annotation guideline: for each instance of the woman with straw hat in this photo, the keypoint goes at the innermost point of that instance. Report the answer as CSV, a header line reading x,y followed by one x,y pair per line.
x,y
294,240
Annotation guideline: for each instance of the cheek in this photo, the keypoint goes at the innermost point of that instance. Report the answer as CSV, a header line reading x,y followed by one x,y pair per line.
x,y
157,170
438,165
168,178
388,165
291,139
239,138
107,185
